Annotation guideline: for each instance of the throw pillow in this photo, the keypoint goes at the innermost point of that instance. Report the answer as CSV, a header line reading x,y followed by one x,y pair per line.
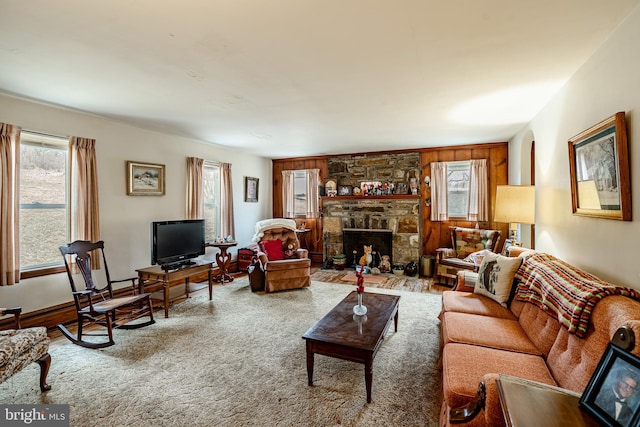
x,y
495,277
273,249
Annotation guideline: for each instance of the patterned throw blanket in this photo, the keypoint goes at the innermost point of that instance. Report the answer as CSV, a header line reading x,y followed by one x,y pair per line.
x,y
564,291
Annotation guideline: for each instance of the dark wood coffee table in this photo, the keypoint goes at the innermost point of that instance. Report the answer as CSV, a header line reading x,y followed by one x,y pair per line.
x,y
343,335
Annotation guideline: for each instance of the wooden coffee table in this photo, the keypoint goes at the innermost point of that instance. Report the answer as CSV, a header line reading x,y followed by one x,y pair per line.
x,y
343,335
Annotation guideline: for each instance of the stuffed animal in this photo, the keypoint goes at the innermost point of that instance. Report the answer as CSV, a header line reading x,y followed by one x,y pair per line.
x,y
290,251
385,264
366,259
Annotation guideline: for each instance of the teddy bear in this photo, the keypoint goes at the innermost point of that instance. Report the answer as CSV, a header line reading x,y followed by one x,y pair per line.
x,y
385,264
290,251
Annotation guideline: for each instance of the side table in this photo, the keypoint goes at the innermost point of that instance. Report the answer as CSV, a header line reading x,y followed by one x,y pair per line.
x,y
529,403
302,235
224,259
155,278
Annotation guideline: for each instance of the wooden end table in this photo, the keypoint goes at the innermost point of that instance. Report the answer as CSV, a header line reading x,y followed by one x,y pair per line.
x,y
155,278
223,258
529,403
346,336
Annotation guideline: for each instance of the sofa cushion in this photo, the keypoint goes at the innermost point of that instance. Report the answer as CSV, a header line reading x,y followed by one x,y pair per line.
x,y
495,277
464,366
273,249
15,342
504,334
468,302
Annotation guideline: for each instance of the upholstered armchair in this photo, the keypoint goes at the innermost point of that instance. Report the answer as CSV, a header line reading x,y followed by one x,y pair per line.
x,y
464,253
284,263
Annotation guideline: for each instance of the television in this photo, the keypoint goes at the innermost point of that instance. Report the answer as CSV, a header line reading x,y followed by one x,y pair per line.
x,y
175,243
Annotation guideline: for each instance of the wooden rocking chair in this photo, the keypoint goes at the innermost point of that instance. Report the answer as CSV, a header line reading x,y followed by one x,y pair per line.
x,y
98,306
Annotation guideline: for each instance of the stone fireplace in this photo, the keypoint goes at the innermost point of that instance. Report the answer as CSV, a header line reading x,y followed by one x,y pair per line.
x,y
396,219
353,240
394,216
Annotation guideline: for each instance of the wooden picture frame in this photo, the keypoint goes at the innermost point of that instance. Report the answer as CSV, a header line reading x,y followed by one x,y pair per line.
x,y
251,189
617,371
331,187
145,179
599,168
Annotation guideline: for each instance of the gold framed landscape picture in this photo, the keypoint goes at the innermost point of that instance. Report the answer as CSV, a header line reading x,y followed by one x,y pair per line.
x,y
599,168
145,179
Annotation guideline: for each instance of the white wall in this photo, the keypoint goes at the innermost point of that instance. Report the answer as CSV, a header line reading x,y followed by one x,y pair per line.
x,y
125,220
607,83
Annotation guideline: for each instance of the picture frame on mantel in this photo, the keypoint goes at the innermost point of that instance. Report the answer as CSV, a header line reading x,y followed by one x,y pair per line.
x,y
599,170
145,179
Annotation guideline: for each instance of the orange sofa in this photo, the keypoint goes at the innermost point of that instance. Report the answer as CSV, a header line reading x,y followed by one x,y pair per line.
x,y
482,339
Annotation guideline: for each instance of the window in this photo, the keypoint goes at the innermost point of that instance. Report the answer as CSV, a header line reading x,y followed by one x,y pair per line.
x,y
212,214
43,200
458,175
300,193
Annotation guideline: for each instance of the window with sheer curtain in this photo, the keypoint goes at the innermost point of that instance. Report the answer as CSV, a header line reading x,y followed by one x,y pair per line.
x,y
300,193
459,190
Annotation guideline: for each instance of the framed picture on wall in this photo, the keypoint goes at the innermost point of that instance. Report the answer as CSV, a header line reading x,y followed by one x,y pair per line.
x,y
145,179
599,168
251,189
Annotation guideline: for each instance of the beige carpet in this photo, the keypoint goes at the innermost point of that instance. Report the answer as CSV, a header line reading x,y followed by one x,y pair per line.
x,y
368,278
239,360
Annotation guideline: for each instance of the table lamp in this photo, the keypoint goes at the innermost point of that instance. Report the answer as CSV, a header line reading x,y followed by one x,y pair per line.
x,y
515,204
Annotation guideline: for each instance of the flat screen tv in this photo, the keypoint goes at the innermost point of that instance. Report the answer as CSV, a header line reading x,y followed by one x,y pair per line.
x,y
175,243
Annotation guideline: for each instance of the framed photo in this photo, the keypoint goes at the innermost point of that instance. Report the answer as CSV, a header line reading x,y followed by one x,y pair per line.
x,y
251,189
612,395
331,187
599,167
345,190
145,179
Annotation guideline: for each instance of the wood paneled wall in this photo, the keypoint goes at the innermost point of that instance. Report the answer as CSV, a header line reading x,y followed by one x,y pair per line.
x,y
433,234
314,238
436,234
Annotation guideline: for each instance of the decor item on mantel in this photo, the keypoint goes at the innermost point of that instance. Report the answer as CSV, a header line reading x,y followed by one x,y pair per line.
x,y
599,168
359,309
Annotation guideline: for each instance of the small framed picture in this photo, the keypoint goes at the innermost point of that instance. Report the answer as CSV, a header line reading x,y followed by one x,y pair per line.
x,y
344,190
145,179
612,395
331,187
251,189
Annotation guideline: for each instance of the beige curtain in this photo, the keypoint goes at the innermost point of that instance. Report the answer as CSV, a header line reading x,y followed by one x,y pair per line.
x,y
287,194
195,189
227,224
9,204
478,203
439,191
313,178
84,215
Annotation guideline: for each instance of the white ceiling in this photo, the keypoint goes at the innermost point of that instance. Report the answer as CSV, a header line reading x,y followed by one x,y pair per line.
x,y
292,78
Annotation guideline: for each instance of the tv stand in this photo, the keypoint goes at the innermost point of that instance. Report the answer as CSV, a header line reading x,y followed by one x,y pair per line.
x,y
157,278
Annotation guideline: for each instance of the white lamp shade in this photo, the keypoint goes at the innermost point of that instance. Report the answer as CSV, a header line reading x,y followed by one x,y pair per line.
x,y
515,204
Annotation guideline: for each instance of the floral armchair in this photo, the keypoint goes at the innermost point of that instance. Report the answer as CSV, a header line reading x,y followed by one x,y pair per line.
x,y
466,252
20,347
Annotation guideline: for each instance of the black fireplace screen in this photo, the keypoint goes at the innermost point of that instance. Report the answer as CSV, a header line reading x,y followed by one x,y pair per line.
x,y
354,239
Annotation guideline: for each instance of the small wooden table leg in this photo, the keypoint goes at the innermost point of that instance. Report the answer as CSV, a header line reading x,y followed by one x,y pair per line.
x,y
309,365
210,284
166,299
368,377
